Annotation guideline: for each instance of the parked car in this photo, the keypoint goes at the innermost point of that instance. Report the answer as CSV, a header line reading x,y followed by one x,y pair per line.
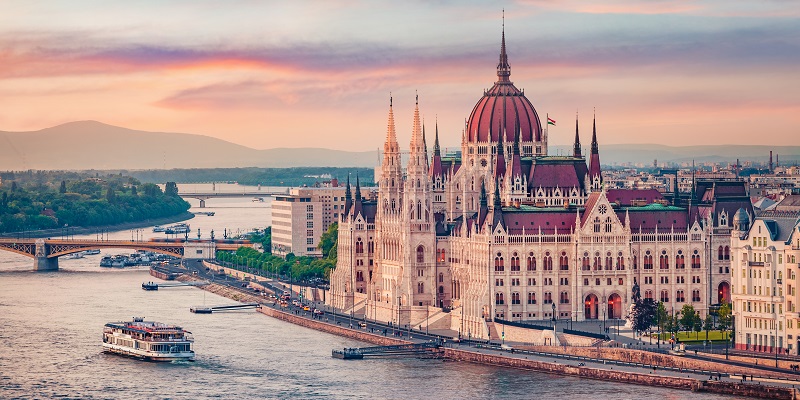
x,y
317,311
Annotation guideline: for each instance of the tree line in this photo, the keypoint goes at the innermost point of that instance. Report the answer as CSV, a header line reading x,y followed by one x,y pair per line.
x,y
297,176
34,200
647,314
304,269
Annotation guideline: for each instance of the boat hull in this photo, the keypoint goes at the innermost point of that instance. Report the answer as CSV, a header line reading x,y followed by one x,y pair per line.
x,y
148,355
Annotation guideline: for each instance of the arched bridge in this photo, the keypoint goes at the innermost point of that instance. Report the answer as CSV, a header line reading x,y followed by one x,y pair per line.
x,y
45,252
203,196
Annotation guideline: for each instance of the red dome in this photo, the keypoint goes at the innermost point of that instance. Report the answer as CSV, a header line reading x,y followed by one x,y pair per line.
x,y
503,106
503,103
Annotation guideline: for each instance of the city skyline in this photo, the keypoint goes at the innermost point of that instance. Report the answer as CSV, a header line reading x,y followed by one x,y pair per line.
x,y
673,73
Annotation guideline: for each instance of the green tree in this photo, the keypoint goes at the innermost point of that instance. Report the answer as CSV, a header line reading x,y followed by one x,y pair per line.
x,y
328,240
708,324
643,315
133,191
724,317
63,188
662,317
171,189
688,315
111,195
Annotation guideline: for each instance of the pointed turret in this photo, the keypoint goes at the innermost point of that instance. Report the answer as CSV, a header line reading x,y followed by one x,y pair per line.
x,y
390,182
436,161
497,208
358,190
483,207
503,69
424,143
594,161
500,159
348,198
576,148
516,159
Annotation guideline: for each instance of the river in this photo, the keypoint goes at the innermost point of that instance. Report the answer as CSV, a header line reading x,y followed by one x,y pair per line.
x,y
50,343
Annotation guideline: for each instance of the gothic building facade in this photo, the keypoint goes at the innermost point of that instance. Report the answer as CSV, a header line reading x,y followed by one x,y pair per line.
x,y
504,231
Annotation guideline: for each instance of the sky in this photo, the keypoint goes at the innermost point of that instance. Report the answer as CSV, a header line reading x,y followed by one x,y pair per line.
x,y
269,74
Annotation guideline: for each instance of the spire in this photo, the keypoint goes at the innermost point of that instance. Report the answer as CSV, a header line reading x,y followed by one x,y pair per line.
x,y
424,141
436,150
503,69
391,134
497,203
348,197
515,148
500,164
576,149
483,200
358,189
594,134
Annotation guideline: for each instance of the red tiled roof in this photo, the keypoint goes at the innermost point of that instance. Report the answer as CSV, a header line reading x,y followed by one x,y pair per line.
x,y
550,221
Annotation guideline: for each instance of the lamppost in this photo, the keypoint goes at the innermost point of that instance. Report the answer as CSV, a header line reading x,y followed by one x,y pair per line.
x,y
554,322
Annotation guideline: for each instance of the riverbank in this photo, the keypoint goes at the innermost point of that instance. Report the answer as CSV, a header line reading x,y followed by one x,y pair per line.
x,y
88,230
495,357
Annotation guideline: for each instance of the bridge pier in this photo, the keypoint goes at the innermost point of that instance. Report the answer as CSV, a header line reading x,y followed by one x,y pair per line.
x,y
45,264
202,203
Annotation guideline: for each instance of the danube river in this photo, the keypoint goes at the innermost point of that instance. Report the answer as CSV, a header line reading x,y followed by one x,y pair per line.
x,y
50,343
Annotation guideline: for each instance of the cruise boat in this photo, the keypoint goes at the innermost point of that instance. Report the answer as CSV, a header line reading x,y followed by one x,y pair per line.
x,y
178,228
91,252
75,256
159,228
148,340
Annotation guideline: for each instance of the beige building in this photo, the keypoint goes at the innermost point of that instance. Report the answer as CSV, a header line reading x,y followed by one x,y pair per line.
x,y
764,262
302,216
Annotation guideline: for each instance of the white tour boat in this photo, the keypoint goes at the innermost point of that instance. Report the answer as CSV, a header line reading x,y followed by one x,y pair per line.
x,y
148,340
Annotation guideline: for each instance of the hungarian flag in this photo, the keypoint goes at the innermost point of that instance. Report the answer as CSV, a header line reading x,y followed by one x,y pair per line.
x,y
551,121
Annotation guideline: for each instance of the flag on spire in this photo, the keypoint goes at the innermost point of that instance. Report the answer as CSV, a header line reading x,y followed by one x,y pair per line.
x,y
551,121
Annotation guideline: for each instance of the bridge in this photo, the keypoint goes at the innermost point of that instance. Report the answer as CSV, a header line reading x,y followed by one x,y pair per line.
x,y
45,252
203,196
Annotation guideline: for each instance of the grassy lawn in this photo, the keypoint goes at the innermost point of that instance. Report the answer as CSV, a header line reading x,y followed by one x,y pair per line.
x,y
695,336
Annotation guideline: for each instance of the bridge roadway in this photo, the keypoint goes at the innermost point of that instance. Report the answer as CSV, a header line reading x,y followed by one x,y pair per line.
x,y
45,252
203,196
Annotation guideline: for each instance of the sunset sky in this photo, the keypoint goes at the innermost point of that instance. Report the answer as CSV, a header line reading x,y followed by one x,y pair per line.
x,y
268,74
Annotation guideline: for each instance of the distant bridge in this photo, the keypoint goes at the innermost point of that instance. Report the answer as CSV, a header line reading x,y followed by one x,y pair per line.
x,y
45,252
203,196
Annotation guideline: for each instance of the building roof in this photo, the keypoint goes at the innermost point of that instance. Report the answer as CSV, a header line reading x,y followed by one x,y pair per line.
x,y
627,197
557,172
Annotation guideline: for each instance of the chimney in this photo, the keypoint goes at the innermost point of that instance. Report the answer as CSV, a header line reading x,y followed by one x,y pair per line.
x,y
770,161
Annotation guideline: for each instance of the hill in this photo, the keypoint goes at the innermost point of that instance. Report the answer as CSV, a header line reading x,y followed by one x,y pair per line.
x,y
85,145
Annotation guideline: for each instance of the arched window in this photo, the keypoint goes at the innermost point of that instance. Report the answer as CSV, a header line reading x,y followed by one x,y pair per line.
x,y
586,264
359,246
441,289
663,260
499,265
664,296
564,298
598,263
609,261
563,262
419,206
679,296
679,261
620,262
648,260
531,262
695,295
695,259
548,262
608,224
720,253
648,294
420,254
514,262
727,253
498,298
441,277
515,298
531,298
370,247
596,224
420,287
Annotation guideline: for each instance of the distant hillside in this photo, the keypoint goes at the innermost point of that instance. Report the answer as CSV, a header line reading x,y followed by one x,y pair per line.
x,y
93,145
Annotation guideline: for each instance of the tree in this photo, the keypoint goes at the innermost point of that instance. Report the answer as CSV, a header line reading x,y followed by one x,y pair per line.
x,y
708,324
643,315
698,325
328,240
662,318
171,189
688,315
724,317
133,191
63,188
111,196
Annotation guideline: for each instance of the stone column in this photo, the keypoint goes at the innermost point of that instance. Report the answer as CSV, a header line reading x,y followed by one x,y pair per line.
x,y
40,260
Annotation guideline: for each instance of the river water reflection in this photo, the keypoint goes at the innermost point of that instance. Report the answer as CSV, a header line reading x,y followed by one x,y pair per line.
x,y
50,343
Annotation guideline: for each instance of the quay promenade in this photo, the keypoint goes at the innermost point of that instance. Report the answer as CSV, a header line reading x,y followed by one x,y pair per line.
x,y
619,365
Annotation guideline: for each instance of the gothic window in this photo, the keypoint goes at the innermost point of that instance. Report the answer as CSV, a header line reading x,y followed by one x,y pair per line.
x,y
695,260
648,294
498,298
564,298
664,296
695,295
531,262
609,261
419,210
596,225
726,253
359,246
441,289
531,298
563,262
370,247
679,261
679,296
515,262
608,224
441,278
548,298
420,287
648,260
598,263
548,262
420,254
499,265
663,260
515,298
602,209
720,253
586,265
620,262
